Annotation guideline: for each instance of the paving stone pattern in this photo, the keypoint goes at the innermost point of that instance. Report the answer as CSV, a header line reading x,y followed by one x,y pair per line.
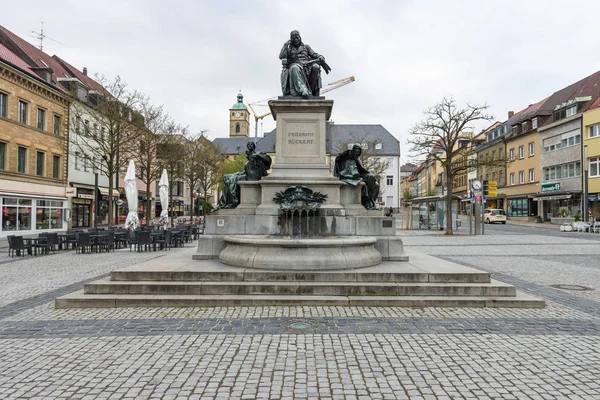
x,y
312,352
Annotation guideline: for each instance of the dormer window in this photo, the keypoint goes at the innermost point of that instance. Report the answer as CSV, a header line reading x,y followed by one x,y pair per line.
x,y
378,146
534,123
571,110
524,127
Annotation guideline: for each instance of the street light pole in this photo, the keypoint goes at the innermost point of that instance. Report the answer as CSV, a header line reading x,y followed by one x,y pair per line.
x,y
585,185
95,200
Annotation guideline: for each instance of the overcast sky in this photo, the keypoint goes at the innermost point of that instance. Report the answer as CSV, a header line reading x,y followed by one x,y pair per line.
x,y
194,56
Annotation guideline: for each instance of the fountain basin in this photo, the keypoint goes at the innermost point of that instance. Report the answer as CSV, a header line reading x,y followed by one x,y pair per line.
x,y
314,254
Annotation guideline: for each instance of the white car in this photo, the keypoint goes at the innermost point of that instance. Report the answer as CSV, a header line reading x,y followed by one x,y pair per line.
x,y
492,215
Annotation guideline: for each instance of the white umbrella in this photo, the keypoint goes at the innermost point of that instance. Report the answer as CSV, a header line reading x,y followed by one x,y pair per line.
x,y
163,193
131,193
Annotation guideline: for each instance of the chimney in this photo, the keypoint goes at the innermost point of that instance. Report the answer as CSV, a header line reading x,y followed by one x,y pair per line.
x,y
85,71
510,114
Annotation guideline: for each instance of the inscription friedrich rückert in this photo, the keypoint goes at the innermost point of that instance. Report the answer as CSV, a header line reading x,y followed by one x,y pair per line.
x,y
294,137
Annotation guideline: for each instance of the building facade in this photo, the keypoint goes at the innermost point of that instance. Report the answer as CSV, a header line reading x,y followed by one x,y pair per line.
x,y
591,159
33,150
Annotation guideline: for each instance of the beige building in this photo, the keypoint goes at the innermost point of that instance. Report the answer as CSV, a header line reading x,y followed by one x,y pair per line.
x,y
33,176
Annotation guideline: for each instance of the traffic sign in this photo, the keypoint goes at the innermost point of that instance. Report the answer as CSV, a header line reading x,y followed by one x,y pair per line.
x,y
492,188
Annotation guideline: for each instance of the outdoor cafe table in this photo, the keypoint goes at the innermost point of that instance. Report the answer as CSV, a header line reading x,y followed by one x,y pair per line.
x,y
63,238
119,237
177,237
35,241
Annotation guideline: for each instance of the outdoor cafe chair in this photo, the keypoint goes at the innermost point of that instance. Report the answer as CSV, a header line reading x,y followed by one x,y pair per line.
x,y
106,241
51,242
41,242
121,238
10,245
143,240
176,237
164,241
70,239
19,246
84,242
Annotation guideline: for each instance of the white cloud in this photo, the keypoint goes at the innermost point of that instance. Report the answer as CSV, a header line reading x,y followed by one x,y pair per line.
x,y
194,57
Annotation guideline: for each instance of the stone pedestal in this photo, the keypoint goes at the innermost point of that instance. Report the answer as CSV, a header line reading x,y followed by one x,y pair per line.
x,y
300,145
300,161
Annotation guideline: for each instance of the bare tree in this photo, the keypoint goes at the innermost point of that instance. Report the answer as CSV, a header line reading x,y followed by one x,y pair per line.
x,y
170,151
157,123
104,124
210,170
441,136
195,162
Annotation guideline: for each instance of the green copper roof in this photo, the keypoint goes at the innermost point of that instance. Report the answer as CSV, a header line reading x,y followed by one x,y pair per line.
x,y
240,103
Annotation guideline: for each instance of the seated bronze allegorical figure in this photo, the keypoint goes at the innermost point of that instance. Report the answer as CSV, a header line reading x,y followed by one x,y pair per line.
x,y
256,167
349,169
301,74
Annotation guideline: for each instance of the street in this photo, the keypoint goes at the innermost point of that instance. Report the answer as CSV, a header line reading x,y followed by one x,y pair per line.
x,y
314,352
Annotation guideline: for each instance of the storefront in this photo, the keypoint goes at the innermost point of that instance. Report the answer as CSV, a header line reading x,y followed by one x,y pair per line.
x,y
141,209
82,207
83,204
520,207
22,214
559,205
81,213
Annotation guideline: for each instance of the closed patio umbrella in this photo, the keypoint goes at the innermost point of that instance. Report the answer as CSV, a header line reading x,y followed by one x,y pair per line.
x,y
163,193
131,192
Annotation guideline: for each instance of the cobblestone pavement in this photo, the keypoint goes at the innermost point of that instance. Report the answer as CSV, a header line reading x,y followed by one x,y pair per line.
x,y
312,352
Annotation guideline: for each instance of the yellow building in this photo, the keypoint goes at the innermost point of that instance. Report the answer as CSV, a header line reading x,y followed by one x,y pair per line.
x,y
591,143
488,152
523,168
33,176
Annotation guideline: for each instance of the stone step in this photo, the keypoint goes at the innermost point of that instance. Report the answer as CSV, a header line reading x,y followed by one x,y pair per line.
x,y
106,286
234,274
81,300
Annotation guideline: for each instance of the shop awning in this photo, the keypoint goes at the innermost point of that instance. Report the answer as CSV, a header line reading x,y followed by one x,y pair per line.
x,y
555,197
104,191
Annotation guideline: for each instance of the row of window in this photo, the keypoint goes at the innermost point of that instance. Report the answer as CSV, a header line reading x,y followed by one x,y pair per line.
x,y
22,164
563,171
23,114
365,145
564,113
566,140
531,148
569,170
86,126
522,176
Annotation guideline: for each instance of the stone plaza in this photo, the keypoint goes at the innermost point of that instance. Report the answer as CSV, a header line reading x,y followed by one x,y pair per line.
x,y
293,352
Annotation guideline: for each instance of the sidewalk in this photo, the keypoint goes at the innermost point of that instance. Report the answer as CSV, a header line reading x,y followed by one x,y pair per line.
x,y
400,224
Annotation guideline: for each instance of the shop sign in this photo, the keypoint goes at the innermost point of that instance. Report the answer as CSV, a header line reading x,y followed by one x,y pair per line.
x,y
594,197
550,187
71,191
87,196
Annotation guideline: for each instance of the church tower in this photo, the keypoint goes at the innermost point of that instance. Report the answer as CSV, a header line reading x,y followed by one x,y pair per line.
x,y
239,119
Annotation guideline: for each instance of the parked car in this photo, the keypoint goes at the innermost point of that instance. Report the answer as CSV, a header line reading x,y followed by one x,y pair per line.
x,y
493,215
